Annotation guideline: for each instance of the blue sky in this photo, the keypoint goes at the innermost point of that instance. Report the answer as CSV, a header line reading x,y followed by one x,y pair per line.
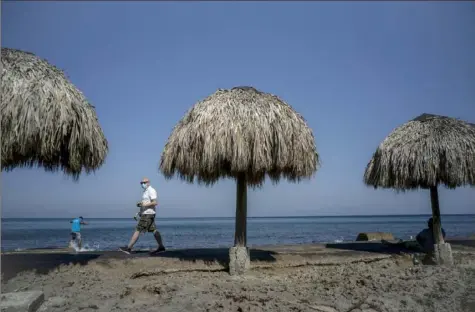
x,y
354,70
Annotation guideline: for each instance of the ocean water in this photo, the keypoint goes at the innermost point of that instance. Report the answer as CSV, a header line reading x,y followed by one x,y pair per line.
x,y
109,234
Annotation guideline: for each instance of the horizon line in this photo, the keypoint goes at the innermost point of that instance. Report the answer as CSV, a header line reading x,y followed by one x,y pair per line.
x,y
261,217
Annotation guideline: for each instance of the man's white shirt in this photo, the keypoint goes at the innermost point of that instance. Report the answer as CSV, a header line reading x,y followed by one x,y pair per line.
x,y
149,194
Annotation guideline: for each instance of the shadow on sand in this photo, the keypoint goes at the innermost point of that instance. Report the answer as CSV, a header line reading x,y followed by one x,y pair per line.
x,y
379,247
213,255
41,263
47,260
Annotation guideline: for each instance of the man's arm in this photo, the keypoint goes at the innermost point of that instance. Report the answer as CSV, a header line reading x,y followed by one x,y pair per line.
x,y
83,223
152,203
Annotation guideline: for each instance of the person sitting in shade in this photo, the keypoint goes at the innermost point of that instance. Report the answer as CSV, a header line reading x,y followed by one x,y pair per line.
x,y
425,238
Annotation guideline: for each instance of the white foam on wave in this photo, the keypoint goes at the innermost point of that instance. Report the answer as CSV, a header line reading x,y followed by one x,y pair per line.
x,y
340,240
85,247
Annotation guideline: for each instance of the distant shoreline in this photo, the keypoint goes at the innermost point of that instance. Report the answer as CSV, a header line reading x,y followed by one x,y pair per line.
x,y
258,217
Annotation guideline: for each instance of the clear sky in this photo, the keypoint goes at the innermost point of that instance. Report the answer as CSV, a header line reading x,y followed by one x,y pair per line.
x,y
355,71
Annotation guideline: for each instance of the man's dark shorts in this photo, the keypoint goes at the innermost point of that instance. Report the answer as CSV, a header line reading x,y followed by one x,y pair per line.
x,y
146,224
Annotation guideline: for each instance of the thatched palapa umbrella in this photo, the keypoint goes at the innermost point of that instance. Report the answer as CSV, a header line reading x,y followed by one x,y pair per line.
x,y
425,152
45,120
244,134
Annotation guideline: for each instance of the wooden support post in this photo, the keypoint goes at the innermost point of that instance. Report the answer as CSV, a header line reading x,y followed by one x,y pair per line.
x,y
436,226
240,236
442,251
239,257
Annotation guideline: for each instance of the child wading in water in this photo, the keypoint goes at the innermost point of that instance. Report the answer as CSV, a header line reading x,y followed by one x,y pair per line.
x,y
76,232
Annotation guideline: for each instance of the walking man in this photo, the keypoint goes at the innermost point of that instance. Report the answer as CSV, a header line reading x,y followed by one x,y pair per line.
x,y
147,213
76,231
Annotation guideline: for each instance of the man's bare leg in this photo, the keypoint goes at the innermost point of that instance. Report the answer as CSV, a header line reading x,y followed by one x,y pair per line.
x,y
134,239
159,240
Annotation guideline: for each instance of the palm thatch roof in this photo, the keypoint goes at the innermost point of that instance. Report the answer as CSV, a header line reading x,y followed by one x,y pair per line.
x,y
425,152
45,120
240,131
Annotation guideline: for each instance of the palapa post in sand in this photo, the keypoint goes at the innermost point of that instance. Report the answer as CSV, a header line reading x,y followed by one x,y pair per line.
x,y
436,222
423,153
244,134
240,236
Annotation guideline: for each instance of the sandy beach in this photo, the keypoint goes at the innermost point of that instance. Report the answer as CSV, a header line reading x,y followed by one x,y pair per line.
x,y
364,277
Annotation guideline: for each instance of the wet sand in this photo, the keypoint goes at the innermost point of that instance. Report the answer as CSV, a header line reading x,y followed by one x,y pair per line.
x,y
339,277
